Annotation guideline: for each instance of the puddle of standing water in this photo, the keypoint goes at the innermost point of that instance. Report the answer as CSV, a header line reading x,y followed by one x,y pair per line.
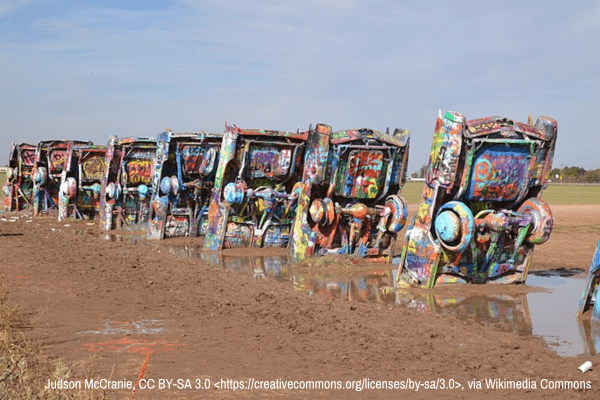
x,y
554,313
550,314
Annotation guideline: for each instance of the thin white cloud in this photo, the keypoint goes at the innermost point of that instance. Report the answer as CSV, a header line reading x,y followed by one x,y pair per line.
x,y
12,5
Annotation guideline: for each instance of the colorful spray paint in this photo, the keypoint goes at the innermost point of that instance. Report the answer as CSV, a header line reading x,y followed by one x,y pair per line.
x,y
182,182
81,182
589,298
253,202
127,184
18,191
350,199
480,213
52,158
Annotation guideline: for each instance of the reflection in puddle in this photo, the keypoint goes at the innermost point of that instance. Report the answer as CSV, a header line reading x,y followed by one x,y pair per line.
x,y
554,313
590,334
522,313
505,312
550,314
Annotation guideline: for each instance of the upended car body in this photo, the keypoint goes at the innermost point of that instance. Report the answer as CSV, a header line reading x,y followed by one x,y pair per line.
x,y
81,182
589,299
480,213
51,160
254,199
126,190
18,191
350,198
182,185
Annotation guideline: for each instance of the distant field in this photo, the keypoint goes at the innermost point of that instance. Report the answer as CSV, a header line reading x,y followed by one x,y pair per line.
x,y
554,194
572,194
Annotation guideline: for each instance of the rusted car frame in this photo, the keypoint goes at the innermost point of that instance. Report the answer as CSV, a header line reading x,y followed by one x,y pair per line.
x,y
350,199
480,214
182,183
254,197
18,191
127,185
81,182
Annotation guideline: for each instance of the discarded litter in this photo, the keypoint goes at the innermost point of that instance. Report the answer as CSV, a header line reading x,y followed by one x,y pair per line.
x,y
585,367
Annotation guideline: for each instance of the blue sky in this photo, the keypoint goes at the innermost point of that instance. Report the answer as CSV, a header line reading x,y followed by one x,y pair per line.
x,y
87,70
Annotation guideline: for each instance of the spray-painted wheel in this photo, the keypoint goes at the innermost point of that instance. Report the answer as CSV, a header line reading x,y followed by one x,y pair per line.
x,y
165,185
398,214
322,211
233,194
317,210
542,220
455,226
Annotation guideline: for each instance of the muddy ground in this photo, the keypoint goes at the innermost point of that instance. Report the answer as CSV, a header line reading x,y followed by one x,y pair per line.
x,y
108,306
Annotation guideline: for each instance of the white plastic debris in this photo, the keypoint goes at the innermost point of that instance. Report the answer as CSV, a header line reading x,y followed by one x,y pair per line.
x,y
67,225
585,367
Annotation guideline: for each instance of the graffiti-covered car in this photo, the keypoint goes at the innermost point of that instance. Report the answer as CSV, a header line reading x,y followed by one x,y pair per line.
x,y
126,190
81,182
253,201
350,200
182,183
18,191
589,299
480,214
51,159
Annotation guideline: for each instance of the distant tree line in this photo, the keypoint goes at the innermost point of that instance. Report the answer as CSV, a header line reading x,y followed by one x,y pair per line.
x,y
575,175
420,173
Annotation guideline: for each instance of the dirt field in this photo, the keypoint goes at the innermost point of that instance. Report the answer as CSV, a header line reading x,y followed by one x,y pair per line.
x,y
109,306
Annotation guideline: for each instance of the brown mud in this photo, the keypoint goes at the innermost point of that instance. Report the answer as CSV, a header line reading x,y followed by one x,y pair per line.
x,y
111,303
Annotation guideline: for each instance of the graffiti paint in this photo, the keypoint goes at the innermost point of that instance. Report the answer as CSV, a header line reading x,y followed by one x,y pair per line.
x,y
81,182
126,192
590,300
355,208
254,198
480,213
499,175
133,346
53,158
18,190
94,168
182,182
139,171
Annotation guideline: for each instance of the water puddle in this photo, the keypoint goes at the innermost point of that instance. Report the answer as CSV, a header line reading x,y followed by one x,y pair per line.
x,y
547,307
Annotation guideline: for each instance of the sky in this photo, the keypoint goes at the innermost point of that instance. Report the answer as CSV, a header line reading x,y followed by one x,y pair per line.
x,y
87,70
